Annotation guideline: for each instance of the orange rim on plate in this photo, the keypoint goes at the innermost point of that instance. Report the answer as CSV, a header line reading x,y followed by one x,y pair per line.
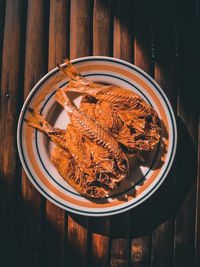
x,y
34,147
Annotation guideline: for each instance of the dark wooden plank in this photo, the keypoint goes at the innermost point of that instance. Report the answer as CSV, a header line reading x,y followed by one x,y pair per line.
x,y
80,45
2,20
120,240
144,59
187,107
58,31
144,47
33,204
123,49
54,237
76,253
10,101
80,28
102,28
165,49
140,235
165,74
122,33
98,253
98,245
197,223
55,216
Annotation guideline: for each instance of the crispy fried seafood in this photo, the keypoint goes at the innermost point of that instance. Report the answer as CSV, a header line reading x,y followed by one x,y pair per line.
x,y
90,154
131,121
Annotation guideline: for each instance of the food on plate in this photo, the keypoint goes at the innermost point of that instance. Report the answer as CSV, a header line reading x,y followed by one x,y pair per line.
x,y
132,122
90,149
72,173
110,123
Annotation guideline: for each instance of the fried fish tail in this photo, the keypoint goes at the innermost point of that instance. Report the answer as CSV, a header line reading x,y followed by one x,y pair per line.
x,y
61,97
37,121
72,72
57,136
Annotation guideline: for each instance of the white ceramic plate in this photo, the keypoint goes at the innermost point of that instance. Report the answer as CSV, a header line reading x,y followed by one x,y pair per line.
x,y
34,147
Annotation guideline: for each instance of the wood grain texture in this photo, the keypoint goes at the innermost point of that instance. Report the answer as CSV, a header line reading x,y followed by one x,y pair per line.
x,y
2,21
98,242
197,222
80,29
144,59
59,21
122,33
10,101
187,108
98,249
54,240
160,37
54,236
140,235
55,216
102,28
80,45
33,208
123,49
197,219
163,206
144,50
120,240
77,240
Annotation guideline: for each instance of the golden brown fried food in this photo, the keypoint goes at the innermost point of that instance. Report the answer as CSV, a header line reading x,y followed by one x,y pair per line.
x,y
90,152
137,132
91,168
123,113
92,130
71,173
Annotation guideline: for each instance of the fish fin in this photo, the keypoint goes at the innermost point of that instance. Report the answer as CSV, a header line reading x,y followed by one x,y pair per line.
x,y
37,121
70,70
61,97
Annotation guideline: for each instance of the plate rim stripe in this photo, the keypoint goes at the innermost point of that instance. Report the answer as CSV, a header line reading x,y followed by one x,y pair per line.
x,y
168,106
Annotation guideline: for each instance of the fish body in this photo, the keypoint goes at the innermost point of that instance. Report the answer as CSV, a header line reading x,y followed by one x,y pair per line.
x,y
94,131
72,174
87,160
90,154
124,114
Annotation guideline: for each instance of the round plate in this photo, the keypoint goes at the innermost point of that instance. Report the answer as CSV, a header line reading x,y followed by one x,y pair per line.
x,y
148,170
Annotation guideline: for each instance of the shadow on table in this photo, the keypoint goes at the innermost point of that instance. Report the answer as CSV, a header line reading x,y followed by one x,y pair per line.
x,y
166,202
134,228
171,195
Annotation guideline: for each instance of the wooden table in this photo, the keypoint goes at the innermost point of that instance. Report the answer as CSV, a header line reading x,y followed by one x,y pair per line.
x,y
162,38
